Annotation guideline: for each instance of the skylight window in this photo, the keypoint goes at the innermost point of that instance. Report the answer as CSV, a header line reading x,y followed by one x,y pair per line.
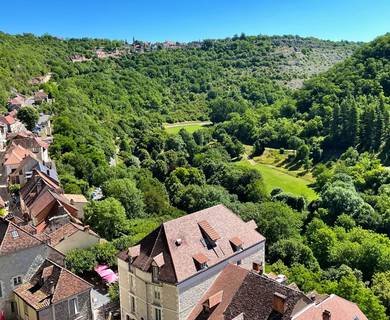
x,y
14,234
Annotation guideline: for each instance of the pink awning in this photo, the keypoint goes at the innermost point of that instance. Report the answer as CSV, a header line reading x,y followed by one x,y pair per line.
x,y
100,268
110,278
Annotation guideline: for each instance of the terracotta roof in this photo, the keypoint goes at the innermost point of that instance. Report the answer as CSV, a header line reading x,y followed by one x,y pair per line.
x,y
15,154
13,238
237,291
339,308
51,284
75,197
17,101
209,230
67,230
200,258
236,241
28,140
229,281
8,119
181,239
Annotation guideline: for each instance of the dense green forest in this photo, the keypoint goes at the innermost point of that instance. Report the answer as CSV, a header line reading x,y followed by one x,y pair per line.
x,y
249,87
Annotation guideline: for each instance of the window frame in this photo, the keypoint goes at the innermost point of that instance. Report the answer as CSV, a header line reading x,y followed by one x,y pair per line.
x,y
77,309
157,293
158,311
155,273
133,304
19,281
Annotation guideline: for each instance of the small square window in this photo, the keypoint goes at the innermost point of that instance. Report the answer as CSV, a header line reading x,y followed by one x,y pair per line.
x,y
14,234
17,280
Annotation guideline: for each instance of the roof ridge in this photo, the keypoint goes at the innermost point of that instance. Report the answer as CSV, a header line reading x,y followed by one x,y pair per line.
x,y
66,270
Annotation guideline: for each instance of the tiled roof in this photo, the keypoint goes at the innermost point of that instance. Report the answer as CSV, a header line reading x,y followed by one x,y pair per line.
x,y
18,100
51,284
339,309
28,140
15,154
75,197
239,291
8,119
13,238
228,282
67,230
181,239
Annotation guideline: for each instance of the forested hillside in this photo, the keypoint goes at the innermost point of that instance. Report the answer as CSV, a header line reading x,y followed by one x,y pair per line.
x,y
333,129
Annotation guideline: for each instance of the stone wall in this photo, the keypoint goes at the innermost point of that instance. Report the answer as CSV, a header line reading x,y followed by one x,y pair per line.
x,y
61,309
23,263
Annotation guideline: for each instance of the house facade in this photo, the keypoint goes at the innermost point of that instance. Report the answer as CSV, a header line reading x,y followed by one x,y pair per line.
x,y
53,293
21,254
169,271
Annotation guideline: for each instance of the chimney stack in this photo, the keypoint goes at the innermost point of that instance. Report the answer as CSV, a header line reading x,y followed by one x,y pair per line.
x,y
326,315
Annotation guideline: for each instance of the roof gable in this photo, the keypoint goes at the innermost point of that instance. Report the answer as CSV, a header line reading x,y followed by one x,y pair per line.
x,y
13,238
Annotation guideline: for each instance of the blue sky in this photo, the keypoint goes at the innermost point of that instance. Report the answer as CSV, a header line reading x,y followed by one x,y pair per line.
x,y
186,20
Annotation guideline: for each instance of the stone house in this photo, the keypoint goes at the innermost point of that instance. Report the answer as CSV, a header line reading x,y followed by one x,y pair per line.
x,y
14,156
21,254
25,170
36,145
12,123
170,270
54,293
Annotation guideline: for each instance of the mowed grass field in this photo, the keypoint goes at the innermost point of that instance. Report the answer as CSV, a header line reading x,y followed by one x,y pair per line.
x,y
276,178
190,127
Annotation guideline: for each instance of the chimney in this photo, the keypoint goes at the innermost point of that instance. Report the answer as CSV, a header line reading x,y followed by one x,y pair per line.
x,y
326,315
178,242
279,303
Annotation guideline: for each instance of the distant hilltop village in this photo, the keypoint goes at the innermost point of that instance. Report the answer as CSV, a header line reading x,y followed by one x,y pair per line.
x,y
136,46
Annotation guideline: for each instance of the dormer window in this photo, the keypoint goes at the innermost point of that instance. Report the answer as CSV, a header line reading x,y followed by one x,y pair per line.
x,y
210,235
14,234
157,263
236,244
200,261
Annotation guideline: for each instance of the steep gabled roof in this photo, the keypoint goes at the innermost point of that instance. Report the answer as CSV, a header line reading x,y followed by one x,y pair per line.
x,y
181,239
15,154
51,284
239,291
13,238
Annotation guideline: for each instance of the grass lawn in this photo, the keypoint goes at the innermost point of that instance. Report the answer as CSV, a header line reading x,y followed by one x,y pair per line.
x,y
190,126
276,178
